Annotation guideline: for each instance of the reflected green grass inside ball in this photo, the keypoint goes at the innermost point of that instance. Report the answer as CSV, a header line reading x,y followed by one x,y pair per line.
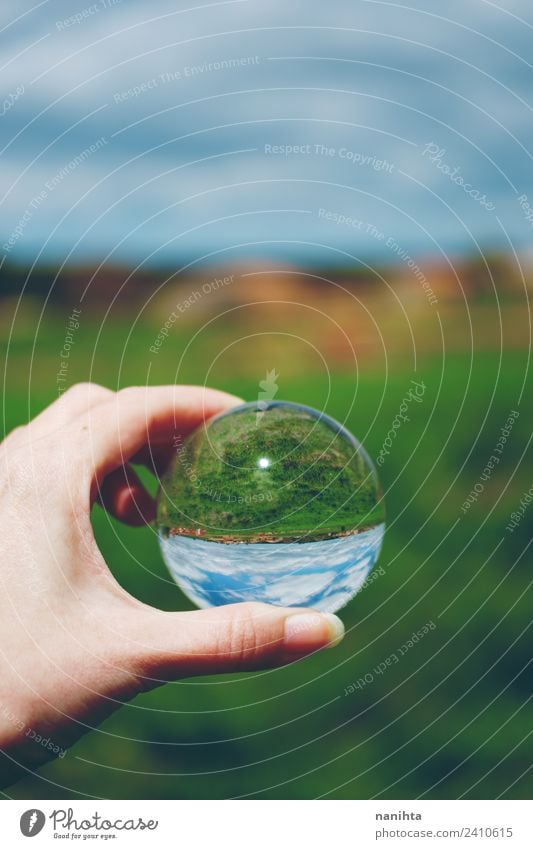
x,y
277,470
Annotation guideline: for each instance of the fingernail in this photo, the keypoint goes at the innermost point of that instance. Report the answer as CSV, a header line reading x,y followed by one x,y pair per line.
x,y
306,632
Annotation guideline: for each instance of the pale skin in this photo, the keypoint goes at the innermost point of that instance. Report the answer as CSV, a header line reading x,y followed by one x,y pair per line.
x,y
74,645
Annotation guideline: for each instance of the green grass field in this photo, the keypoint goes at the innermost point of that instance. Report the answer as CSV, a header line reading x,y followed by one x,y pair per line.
x,y
315,482
452,717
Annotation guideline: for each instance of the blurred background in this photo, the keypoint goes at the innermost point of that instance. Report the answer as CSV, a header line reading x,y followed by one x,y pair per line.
x,y
342,193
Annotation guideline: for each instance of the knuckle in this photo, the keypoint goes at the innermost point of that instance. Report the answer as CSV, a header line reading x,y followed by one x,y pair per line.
x,y
91,392
243,641
131,392
252,609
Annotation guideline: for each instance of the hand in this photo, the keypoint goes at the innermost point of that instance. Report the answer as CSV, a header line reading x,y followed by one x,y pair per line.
x,y
74,645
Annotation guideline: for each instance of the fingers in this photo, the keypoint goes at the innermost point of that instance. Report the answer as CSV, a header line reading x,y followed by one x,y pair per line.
x,y
155,457
133,419
123,495
236,637
97,432
74,402
71,404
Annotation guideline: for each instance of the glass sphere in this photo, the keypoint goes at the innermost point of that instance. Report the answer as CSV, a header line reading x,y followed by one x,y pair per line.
x,y
273,502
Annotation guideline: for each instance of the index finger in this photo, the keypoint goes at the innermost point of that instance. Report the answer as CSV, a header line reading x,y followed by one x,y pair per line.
x,y
139,416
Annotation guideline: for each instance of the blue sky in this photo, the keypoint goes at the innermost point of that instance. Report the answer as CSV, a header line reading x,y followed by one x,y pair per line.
x,y
140,132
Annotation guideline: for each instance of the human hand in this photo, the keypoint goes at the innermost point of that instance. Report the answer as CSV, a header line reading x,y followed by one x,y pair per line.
x,y
74,644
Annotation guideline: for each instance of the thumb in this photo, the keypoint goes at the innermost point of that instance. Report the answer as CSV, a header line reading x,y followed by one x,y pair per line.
x,y
234,637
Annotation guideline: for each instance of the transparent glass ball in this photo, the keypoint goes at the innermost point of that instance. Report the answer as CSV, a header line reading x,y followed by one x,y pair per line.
x,y
273,502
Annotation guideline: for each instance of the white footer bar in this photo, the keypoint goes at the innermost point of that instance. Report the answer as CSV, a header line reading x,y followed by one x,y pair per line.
x,y
267,824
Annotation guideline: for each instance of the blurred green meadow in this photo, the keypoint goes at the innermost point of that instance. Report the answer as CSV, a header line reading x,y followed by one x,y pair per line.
x,y
451,716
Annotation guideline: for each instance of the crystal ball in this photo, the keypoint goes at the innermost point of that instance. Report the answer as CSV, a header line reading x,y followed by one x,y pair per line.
x,y
273,502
